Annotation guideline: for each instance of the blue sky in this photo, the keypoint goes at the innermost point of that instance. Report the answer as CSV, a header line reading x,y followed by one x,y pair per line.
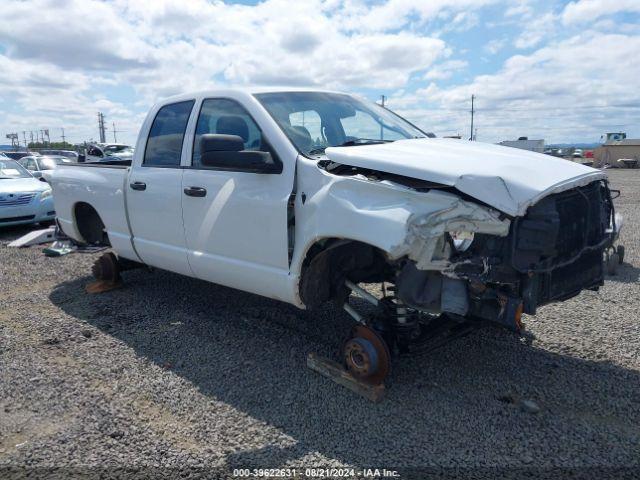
x,y
565,71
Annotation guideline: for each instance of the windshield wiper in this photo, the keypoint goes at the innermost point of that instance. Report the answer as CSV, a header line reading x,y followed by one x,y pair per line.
x,y
349,143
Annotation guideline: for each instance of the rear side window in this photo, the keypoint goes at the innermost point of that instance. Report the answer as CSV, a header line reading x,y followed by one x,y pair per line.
x,y
164,145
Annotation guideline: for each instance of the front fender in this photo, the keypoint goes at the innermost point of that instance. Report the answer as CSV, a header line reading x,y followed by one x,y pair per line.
x,y
398,220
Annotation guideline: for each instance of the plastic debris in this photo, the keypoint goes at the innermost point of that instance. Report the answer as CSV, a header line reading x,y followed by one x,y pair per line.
x,y
59,248
35,238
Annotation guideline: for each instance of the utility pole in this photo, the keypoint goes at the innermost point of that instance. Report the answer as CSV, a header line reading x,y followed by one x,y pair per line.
x,y
472,113
101,127
31,135
64,143
46,132
24,137
115,140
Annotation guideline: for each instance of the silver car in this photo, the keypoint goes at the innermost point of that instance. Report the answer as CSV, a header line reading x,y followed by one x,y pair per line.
x,y
36,164
23,198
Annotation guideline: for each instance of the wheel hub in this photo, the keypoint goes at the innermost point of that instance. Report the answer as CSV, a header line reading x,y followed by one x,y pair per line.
x,y
366,355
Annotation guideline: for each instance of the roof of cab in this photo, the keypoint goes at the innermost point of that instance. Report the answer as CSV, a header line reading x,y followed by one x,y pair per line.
x,y
247,91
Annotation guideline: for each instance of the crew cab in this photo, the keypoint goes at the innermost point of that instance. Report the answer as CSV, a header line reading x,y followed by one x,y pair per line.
x,y
304,196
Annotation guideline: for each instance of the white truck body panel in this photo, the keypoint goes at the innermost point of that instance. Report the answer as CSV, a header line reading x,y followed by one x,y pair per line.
x,y
237,235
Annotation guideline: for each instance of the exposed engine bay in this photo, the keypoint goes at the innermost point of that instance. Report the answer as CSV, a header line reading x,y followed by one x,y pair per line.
x,y
550,254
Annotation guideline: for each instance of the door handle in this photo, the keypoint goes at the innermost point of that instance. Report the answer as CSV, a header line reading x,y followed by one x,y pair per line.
x,y
195,191
138,185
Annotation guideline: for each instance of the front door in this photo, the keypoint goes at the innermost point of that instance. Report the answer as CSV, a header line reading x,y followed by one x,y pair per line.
x,y
154,195
236,222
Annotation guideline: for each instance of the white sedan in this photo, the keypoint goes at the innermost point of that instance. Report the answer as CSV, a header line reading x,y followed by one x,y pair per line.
x,y
23,198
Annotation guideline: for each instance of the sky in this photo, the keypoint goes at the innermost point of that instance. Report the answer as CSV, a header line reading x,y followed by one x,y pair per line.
x,y
564,71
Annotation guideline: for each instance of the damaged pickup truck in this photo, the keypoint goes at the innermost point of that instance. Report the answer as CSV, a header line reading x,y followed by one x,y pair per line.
x,y
303,196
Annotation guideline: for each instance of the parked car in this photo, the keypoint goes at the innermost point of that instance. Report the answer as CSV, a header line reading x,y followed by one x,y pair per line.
x,y
108,152
64,153
19,155
36,165
577,153
23,199
301,196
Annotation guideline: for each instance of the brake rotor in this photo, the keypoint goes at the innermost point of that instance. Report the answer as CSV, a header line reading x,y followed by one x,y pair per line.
x,y
366,355
106,268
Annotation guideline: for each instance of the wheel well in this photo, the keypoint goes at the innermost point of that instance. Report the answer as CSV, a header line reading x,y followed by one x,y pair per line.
x,y
90,225
330,261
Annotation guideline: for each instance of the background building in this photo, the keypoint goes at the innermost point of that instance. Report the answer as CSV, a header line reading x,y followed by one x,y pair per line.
x,y
525,144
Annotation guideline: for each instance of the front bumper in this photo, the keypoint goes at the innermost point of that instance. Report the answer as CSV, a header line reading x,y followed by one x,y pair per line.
x,y
35,211
551,254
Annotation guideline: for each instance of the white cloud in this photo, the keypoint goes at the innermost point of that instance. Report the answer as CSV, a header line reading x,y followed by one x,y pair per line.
x,y
165,47
61,61
575,88
589,10
536,30
445,70
495,45
392,14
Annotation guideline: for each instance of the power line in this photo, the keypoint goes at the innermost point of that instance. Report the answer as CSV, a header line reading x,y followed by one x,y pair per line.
x,y
115,140
540,108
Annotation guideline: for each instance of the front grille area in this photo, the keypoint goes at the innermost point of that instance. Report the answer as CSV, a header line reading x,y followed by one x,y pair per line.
x,y
568,281
559,228
15,199
581,219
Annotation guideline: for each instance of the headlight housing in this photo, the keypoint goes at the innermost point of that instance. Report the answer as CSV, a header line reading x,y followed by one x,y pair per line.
x,y
462,240
46,194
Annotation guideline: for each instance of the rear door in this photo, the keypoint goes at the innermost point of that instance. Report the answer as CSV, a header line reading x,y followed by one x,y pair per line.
x,y
154,196
236,221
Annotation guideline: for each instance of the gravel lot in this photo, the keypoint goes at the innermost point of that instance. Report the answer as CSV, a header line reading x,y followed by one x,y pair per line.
x,y
175,372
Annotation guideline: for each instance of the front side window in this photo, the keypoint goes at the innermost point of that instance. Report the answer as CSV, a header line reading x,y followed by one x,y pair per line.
x,y
164,145
314,121
228,117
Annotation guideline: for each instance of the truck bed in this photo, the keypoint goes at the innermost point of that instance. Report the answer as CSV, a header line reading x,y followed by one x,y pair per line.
x,y
102,186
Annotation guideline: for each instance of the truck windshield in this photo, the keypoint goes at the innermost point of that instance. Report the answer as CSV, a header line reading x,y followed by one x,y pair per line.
x,y
314,121
12,169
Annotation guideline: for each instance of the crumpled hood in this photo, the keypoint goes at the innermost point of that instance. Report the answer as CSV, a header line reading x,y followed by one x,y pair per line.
x,y
508,179
22,185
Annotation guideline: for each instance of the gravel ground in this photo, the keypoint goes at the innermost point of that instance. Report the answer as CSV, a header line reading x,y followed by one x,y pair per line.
x,y
175,372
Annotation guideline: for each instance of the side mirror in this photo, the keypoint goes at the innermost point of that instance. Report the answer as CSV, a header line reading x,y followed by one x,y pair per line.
x,y
226,152
37,174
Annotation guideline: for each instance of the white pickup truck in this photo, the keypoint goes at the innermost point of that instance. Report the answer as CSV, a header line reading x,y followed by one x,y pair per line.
x,y
302,196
